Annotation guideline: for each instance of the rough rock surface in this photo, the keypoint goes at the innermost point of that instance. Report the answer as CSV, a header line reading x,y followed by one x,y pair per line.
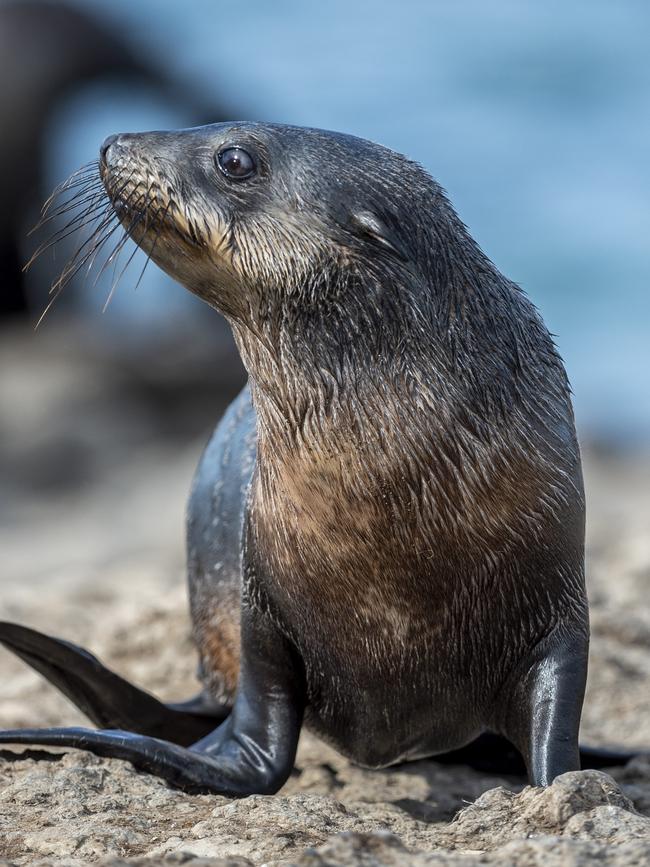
x,y
100,562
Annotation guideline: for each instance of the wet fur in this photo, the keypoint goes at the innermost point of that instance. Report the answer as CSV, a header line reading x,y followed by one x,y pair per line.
x,y
385,533
416,506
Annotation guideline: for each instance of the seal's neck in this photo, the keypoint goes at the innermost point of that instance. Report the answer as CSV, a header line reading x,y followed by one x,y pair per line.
x,y
318,364
379,348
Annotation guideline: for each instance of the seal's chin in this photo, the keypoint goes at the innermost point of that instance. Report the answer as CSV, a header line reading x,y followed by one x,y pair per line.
x,y
165,237
149,218
144,218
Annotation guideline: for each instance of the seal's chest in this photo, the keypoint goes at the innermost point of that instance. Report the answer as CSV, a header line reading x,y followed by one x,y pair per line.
x,y
317,520
341,565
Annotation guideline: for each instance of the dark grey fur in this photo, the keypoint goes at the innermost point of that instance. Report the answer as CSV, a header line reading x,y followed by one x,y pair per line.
x,y
392,512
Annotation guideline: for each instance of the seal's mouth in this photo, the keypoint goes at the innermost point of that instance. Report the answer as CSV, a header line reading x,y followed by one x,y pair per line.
x,y
144,198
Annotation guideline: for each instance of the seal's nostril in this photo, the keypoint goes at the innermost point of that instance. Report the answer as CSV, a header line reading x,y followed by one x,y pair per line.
x,y
103,151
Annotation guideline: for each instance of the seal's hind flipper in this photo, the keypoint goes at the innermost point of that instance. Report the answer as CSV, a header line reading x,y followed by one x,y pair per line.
x,y
596,758
494,754
107,699
488,754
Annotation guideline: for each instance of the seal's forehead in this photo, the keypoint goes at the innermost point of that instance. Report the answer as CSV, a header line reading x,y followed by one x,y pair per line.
x,y
298,156
284,138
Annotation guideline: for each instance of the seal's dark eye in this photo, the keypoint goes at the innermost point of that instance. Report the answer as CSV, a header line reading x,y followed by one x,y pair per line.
x,y
236,163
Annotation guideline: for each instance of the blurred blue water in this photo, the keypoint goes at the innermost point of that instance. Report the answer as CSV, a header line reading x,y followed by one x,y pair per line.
x,y
535,117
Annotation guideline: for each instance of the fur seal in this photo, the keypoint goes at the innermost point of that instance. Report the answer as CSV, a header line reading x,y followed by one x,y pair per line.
x,y
386,530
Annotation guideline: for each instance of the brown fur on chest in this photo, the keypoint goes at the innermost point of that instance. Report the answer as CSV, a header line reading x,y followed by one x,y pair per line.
x,y
365,542
341,513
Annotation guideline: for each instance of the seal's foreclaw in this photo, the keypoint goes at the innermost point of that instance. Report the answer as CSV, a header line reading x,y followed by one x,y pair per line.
x,y
107,699
182,768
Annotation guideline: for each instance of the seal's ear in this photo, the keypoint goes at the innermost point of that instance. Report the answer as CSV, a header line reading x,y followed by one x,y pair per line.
x,y
371,225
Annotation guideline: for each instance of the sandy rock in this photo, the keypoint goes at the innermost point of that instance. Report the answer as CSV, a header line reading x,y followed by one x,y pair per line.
x,y
609,825
562,852
356,849
584,804
499,815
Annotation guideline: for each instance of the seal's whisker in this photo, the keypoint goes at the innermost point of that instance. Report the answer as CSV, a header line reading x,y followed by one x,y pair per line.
x,y
91,165
76,188
155,241
84,170
81,208
96,240
90,177
86,205
85,195
101,222
68,272
98,247
106,262
87,200
82,198
146,208
134,206
47,308
80,256
123,241
91,169
127,236
65,203
117,249
100,244
79,221
80,181
116,253
116,282
84,187
90,214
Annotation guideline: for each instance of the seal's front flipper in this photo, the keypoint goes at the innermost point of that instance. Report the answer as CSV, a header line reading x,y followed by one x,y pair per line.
x,y
252,752
543,715
107,699
180,767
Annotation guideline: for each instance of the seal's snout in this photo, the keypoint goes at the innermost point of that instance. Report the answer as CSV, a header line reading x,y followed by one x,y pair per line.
x,y
115,146
106,147
119,171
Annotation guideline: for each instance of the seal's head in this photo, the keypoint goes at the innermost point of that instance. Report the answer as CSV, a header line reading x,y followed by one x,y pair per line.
x,y
245,214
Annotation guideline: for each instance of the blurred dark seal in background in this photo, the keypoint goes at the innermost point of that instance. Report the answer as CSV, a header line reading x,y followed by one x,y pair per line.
x,y
47,51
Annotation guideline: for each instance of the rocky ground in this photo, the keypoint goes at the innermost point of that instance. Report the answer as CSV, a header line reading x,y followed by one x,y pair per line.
x,y
91,539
